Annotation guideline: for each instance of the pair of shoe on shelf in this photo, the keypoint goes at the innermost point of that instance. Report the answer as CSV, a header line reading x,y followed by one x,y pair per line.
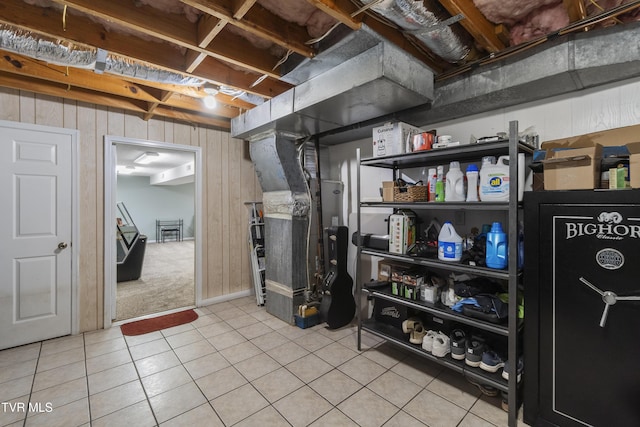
x,y
434,342
475,352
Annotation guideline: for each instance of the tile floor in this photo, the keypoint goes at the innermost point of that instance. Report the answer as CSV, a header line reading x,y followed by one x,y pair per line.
x,y
236,365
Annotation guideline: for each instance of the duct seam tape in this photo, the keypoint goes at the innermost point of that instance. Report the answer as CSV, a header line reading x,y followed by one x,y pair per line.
x,y
285,204
281,289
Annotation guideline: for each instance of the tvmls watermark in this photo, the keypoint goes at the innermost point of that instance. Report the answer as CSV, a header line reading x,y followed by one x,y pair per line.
x,y
31,407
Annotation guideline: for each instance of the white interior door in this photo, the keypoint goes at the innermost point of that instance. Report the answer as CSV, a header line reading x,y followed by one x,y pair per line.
x,y
35,239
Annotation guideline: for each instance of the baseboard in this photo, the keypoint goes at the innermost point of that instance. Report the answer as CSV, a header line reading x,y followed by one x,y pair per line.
x,y
227,297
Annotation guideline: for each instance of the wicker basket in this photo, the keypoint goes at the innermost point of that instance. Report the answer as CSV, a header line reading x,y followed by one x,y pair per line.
x,y
415,193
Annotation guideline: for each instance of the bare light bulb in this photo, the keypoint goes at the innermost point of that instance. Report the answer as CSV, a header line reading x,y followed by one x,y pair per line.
x,y
210,102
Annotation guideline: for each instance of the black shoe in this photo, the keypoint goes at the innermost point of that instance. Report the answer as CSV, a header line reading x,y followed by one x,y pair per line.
x,y
458,346
474,349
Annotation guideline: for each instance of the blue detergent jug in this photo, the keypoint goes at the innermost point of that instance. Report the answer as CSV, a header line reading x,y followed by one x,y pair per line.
x,y
496,252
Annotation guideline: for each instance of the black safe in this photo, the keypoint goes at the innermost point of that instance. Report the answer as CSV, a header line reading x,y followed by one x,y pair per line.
x,y
582,308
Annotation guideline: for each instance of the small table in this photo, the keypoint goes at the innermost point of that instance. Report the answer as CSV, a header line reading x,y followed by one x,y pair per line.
x,y
169,229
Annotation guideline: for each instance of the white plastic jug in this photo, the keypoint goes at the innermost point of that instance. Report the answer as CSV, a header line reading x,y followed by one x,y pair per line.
x,y
494,181
454,184
449,243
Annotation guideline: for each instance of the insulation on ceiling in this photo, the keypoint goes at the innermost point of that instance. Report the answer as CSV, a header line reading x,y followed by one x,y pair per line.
x,y
413,17
301,13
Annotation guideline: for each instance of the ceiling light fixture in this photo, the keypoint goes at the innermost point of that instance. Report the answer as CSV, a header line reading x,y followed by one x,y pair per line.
x,y
127,170
210,99
146,158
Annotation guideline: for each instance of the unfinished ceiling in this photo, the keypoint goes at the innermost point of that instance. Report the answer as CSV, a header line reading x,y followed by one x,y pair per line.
x,y
162,57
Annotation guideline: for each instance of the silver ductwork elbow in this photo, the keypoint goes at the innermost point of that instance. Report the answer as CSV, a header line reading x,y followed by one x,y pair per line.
x,y
412,17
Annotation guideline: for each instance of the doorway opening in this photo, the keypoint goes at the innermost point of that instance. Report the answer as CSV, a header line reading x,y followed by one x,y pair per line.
x,y
152,223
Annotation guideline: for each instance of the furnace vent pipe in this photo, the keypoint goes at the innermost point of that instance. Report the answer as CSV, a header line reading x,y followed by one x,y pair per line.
x,y
413,17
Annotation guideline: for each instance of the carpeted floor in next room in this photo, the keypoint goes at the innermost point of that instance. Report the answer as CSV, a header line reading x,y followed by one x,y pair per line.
x,y
167,281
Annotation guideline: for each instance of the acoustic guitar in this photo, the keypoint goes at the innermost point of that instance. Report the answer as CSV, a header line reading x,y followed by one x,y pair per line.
x,y
338,306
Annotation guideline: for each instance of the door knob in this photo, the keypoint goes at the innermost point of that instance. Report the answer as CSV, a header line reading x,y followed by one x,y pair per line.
x,y
62,245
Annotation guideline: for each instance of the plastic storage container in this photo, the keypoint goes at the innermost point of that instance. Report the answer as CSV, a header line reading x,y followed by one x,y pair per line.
x,y
454,185
449,243
494,181
496,252
472,183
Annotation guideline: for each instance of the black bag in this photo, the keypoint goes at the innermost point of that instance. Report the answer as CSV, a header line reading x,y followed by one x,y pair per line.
x,y
491,309
473,287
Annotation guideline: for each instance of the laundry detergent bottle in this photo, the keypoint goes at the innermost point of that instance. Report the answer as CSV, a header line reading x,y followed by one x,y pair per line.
x,y
494,181
449,243
454,184
496,252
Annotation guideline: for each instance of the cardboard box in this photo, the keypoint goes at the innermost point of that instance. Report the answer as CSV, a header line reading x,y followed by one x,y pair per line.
x,y
574,163
387,191
634,164
393,138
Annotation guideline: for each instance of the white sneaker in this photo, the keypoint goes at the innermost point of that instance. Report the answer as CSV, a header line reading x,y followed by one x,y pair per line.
x,y
427,342
440,346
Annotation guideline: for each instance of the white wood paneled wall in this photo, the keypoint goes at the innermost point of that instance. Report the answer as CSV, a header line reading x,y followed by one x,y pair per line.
x,y
605,107
228,181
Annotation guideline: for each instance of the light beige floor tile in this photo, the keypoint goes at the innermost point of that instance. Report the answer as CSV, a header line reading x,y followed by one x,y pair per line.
x,y
194,351
239,352
226,340
177,329
156,363
262,315
418,370
337,334
335,386
302,407
133,340
402,419
334,418
176,401
313,341
220,382
293,332
116,398
204,320
72,414
238,404
362,369
203,415
231,313
300,367
267,417
102,335
471,420
432,409
138,415
275,323
59,375
257,366
254,330
18,370
112,377
220,306
107,361
62,394
13,412
368,409
269,341
277,384
455,388
104,347
394,388
367,341
241,321
335,354
184,338
205,365
60,359
287,353
19,354
251,307
489,408
385,355
15,388
166,380
215,329
149,349
58,345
